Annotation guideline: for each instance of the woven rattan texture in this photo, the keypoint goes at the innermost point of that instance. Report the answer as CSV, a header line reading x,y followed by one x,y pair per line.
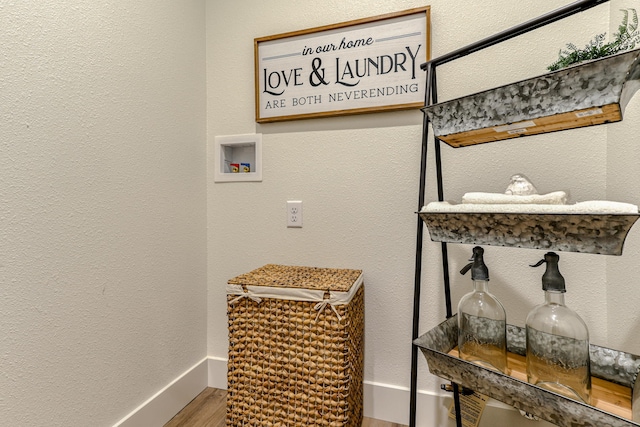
x,y
284,276
288,369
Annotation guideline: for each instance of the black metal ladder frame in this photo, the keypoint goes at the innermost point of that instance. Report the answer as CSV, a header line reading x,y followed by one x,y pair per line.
x,y
431,97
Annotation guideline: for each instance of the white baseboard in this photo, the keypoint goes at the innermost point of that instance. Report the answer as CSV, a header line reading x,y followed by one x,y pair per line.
x,y
217,373
161,407
381,401
391,403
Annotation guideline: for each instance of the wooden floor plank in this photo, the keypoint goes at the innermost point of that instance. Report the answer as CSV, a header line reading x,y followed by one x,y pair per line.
x,y
209,409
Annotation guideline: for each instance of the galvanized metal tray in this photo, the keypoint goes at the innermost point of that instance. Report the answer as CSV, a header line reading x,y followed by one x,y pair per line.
x,y
591,93
588,233
615,367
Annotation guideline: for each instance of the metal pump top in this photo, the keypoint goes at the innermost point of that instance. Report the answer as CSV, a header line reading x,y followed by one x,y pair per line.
x,y
552,280
479,270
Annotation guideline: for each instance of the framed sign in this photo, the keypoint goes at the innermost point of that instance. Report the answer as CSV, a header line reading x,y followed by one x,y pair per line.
x,y
355,67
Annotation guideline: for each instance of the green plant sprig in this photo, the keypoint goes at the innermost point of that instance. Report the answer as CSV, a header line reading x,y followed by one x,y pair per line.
x,y
625,39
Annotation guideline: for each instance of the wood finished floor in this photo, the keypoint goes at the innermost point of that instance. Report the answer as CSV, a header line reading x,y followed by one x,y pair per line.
x,y
208,409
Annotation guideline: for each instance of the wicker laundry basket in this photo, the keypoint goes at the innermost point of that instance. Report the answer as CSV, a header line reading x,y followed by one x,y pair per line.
x,y
296,347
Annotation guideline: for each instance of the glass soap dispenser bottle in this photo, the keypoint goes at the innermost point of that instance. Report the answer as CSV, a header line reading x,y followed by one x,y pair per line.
x,y
482,321
557,340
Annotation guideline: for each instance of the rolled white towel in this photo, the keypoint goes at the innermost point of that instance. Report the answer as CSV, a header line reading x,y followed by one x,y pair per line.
x,y
589,207
555,198
605,206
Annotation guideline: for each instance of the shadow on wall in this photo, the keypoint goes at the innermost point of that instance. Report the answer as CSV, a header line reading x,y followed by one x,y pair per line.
x,y
360,121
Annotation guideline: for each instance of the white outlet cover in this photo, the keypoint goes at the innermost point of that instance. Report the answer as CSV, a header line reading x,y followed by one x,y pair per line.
x,y
294,214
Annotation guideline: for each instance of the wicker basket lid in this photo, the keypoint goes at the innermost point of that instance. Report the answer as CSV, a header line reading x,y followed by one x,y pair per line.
x,y
284,276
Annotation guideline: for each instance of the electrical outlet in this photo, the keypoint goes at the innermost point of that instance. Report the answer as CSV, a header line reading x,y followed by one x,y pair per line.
x,y
294,213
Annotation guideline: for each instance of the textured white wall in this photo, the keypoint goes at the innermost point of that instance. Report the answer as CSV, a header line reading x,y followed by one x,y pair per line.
x,y
103,296
102,206
358,176
623,184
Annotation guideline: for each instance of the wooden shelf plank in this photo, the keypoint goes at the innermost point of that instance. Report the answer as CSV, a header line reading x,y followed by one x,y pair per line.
x,y
605,395
580,118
